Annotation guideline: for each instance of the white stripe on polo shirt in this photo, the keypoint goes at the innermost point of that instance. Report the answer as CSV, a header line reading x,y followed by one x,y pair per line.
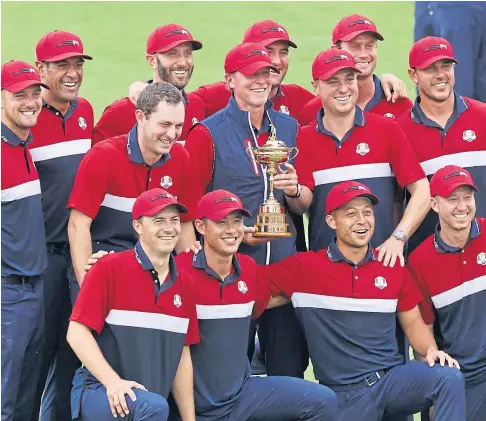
x,y
461,159
366,305
31,188
124,204
57,150
458,293
352,172
224,311
148,321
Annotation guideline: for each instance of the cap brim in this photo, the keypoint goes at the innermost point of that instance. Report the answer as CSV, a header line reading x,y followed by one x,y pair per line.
x,y
64,56
330,73
268,41
252,68
432,60
370,196
155,210
352,35
20,86
196,45
221,214
446,191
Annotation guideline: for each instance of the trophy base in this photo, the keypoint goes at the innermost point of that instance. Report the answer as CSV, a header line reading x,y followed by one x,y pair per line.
x,y
272,221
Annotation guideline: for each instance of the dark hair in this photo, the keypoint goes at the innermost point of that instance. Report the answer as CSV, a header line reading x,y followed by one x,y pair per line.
x,y
155,93
339,44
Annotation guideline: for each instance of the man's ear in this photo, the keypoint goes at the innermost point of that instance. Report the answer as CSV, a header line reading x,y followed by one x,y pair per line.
x,y
331,221
315,86
137,226
434,204
151,60
199,224
413,76
140,116
230,80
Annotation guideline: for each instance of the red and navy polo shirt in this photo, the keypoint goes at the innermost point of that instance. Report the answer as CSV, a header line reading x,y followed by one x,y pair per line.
x,y
453,282
224,310
290,99
376,105
60,144
461,142
347,311
23,233
141,324
374,152
118,118
113,174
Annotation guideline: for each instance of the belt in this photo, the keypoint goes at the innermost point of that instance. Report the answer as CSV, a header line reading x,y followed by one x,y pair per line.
x,y
58,248
19,280
367,382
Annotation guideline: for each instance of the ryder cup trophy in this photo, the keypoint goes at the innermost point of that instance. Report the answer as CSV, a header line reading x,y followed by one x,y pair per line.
x,y
271,220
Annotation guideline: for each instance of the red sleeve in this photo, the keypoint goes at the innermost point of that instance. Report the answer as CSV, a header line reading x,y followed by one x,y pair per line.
x,y
409,295
263,295
426,306
404,163
215,97
199,145
192,335
194,114
283,276
91,182
403,105
302,97
309,112
303,159
117,119
188,175
92,304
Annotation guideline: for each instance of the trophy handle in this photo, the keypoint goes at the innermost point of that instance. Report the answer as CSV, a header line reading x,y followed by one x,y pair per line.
x,y
294,149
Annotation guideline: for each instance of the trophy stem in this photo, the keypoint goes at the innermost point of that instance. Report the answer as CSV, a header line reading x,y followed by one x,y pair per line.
x,y
270,194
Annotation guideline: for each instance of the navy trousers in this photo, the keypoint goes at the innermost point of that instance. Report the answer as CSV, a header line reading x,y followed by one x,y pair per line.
x,y
407,389
22,344
462,23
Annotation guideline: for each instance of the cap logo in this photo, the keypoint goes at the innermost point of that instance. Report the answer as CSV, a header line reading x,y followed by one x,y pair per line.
x,y
481,259
194,121
68,43
435,47
380,282
360,22
469,136
362,149
177,32
82,123
273,29
166,181
257,53
161,196
284,109
389,115
226,199
242,287
352,188
25,70
339,57
177,300
455,174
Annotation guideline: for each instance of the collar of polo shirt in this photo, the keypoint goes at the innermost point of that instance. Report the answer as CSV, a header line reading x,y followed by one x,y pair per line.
x,y
418,116
335,255
199,261
9,137
442,247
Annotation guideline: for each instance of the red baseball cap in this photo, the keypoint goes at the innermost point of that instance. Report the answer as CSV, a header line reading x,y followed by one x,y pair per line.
x,y
18,75
329,62
350,27
449,178
248,59
151,202
343,192
60,45
166,37
428,50
266,32
219,203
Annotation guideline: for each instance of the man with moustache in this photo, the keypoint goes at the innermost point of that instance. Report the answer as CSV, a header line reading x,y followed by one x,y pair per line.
x,y
444,128
218,154
450,267
23,242
115,172
170,54
62,137
359,36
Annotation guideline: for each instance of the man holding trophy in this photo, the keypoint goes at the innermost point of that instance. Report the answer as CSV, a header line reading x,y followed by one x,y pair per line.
x,y
227,151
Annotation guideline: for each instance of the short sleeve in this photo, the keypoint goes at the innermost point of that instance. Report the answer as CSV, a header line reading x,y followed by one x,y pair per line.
x,y
214,97
192,335
303,161
309,111
187,196
284,276
117,119
409,295
263,295
426,306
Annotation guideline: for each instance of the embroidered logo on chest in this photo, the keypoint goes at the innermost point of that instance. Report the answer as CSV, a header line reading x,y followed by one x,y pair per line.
x,y
242,287
362,149
194,121
166,181
380,282
389,115
284,109
469,136
481,259
177,300
82,123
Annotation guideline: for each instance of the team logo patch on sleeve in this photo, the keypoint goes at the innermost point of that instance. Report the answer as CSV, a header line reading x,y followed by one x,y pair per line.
x,y
362,149
177,300
284,109
166,182
380,282
389,115
481,259
242,287
82,123
469,136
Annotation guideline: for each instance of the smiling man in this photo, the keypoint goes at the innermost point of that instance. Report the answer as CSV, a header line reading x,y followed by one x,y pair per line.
x,y
169,53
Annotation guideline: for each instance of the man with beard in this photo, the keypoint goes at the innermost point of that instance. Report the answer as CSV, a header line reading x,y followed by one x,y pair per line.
x,y
358,35
443,127
218,155
62,137
23,243
170,54
115,172
450,267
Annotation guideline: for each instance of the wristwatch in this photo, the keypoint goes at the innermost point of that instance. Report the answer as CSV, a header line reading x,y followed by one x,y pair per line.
x,y
299,191
400,235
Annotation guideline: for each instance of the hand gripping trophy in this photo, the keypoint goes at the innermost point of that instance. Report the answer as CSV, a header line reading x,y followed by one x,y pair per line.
x,y
271,219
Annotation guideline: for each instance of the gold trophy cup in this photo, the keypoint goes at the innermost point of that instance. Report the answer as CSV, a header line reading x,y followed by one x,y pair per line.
x,y
271,219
